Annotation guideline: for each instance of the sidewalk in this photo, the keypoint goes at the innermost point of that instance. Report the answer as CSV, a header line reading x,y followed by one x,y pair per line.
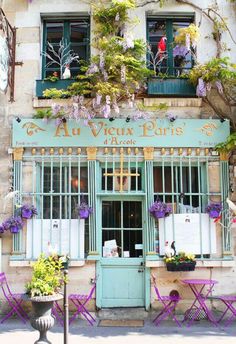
x,y
13,331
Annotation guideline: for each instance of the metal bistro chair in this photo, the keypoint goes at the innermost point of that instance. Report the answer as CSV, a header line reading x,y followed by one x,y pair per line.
x,y
13,300
58,313
80,301
169,304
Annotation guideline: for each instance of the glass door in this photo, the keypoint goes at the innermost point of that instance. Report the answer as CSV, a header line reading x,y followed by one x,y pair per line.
x,y
122,229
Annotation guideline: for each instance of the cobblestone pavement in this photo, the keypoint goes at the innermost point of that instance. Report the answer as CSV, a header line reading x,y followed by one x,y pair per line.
x,y
13,331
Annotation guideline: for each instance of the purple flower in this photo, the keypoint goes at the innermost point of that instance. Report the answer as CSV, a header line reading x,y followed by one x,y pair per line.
x,y
219,86
13,222
214,206
201,88
2,228
27,211
180,50
93,68
160,207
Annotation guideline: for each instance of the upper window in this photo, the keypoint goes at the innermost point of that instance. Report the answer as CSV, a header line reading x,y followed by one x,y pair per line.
x,y
160,36
74,35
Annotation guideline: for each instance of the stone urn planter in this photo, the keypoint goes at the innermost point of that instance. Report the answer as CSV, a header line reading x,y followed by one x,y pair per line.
x,y
41,317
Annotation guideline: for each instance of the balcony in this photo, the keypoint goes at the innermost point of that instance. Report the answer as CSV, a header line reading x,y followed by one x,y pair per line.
x,y
172,86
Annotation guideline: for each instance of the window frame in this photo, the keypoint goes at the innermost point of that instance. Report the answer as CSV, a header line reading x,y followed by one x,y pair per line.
x,y
169,18
66,36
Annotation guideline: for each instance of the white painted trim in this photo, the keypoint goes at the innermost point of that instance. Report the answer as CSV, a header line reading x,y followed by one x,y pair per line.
x,y
28,263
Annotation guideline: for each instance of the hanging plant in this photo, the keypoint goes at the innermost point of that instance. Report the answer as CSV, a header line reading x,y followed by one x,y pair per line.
x,y
27,211
84,210
160,210
214,209
14,224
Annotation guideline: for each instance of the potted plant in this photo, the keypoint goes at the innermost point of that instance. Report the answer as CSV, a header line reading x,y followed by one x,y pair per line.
x,y
27,211
160,209
84,210
214,209
43,290
14,224
181,262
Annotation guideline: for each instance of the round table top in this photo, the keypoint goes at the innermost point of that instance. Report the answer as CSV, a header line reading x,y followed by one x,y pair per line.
x,y
199,281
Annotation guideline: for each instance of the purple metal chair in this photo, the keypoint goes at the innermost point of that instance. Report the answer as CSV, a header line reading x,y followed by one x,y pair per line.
x,y
169,304
58,313
13,300
80,301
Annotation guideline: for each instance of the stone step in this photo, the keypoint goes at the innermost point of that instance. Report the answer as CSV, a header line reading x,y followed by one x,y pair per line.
x,y
122,313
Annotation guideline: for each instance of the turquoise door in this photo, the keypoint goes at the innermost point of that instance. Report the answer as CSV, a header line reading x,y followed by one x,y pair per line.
x,y
121,269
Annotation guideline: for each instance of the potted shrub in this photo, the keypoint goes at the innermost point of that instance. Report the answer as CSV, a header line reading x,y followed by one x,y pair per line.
x,y
160,209
181,262
214,209
43,290
84,210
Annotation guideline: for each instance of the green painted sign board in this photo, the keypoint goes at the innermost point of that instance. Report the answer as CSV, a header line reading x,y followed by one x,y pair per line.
x,y
119,133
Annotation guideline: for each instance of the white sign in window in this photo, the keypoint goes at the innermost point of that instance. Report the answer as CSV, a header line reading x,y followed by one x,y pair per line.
x,y
65,236
189,232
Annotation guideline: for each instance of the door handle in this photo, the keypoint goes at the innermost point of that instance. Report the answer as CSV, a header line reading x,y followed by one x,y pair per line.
x,y
139,270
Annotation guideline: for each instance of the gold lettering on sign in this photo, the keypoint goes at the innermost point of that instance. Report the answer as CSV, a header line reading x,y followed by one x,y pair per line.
x,y
150,129
32,128
62,130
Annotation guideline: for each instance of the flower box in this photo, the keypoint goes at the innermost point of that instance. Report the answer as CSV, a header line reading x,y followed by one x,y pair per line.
x,y
42,85
185,266
171,86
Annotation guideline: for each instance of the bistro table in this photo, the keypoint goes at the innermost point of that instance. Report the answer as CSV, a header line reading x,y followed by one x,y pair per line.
x,y
198,287
229,301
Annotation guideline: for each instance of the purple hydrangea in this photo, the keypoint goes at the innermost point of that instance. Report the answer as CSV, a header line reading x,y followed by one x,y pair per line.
x,y
27,211
160,209
14,224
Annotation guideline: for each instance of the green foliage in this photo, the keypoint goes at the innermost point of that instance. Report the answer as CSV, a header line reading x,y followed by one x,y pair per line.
x,y
54,93
216,69
43,113
229,145
105,17
47,277
192,30
80,87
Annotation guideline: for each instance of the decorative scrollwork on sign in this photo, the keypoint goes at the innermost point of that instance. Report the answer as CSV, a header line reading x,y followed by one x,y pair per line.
x,y
7,55
32,128
208,129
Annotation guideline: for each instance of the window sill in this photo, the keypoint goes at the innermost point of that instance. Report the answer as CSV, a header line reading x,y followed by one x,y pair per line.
x,y
28,263
200,264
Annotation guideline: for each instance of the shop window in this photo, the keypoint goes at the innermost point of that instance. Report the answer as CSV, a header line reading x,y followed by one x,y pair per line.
x,y
74,34
160,37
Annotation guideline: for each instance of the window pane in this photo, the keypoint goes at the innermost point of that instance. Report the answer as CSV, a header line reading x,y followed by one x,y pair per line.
x,y
111,214
79,31
158,180
54,32
135,183
157,41
112,235
131,238
132,214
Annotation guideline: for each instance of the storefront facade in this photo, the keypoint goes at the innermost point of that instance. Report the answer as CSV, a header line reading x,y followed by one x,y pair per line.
x,y
120,169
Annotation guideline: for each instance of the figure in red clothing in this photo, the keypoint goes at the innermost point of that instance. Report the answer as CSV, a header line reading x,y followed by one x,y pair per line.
x,y
161,46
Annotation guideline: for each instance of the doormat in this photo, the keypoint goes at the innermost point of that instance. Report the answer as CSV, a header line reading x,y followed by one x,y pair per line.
x,y
121,323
